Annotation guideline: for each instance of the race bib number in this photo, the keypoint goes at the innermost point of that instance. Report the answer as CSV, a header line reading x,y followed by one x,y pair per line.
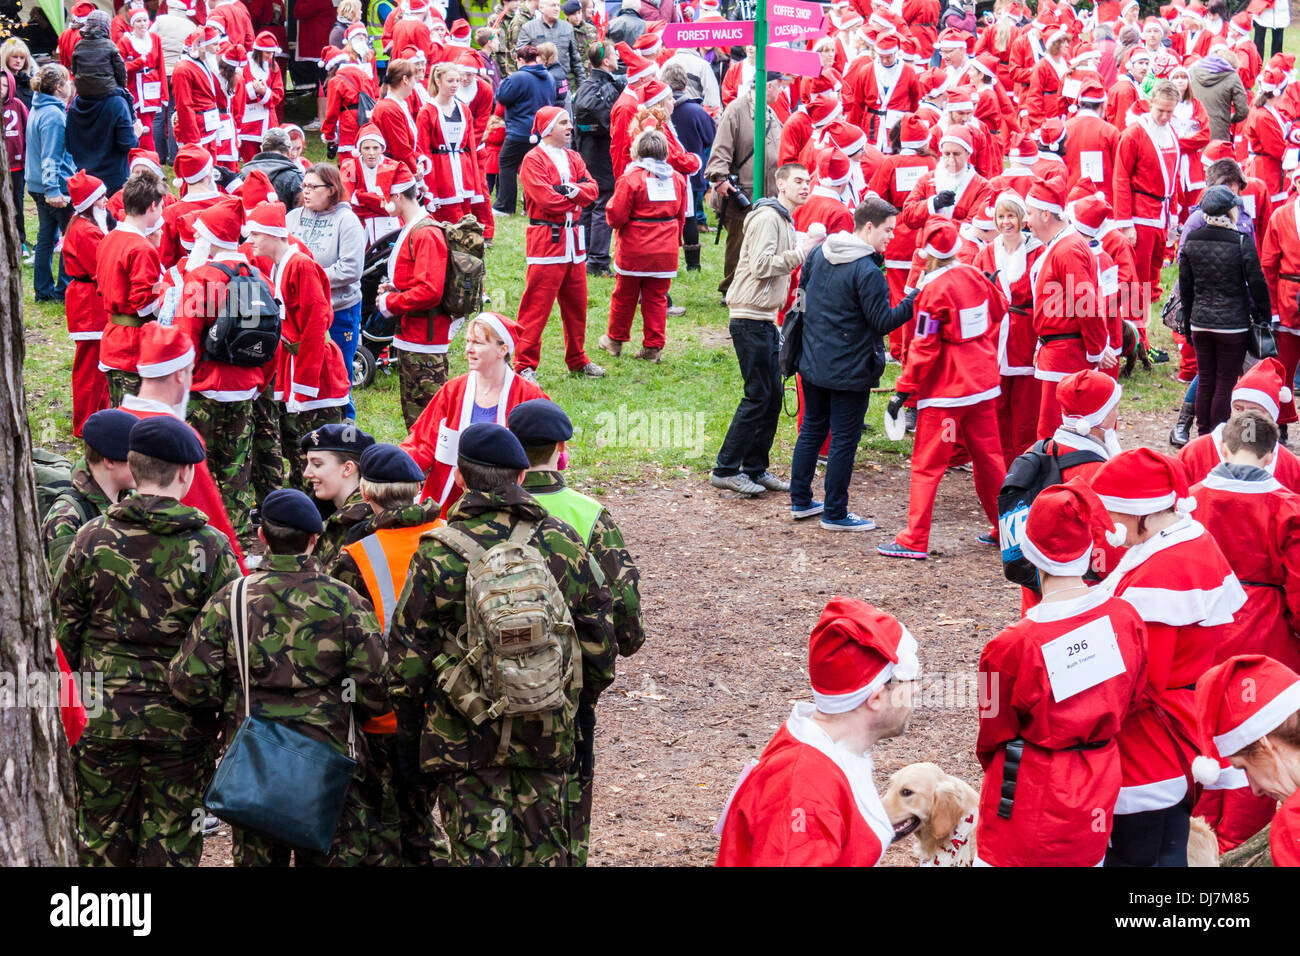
x,y
1091,165
1110,281
1248,204
1291,158
255,112
448,444
211,120
1083,658
152,91
974,321
1070,88
905,177
660,190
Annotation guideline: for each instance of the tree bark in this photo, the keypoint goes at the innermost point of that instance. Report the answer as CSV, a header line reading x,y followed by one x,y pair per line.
x,y
36,784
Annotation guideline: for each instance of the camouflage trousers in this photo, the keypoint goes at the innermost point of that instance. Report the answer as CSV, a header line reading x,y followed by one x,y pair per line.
x,y
506,817
141,803
227,430
582,779
121,384
405,832
267,472
420,375
352,839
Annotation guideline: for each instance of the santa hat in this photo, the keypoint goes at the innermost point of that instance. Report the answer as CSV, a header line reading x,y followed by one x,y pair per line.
x,y
913,133
544,122
355,32
191,165
1058,534
255,190
1272,80
851,139
983,219
951,39
827,81
961,98
940,238
212,33
1142,481
1092,90
418,8
1218,149
987,64
507,330
1240,24
145,159
933,82
1048,194
1013,197
221,223
1086,398
413,54
824,109
648,44
1135,54
653,92
137,11
1051,133
181,6
293,131
1239,701
460,33
265,42
163,349
232,54
1023,150
1265,384
1193,13
1056,34
402,181
854,650
958,135
910,50
84,189
1126,6
833,167
82,9
1090,214
331,57
888,43
1083,53
372,132
268,218
638,67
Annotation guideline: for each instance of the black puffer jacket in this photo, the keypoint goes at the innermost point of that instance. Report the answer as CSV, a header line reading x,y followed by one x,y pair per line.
x,y
285,175
97,65
1220,282
591,106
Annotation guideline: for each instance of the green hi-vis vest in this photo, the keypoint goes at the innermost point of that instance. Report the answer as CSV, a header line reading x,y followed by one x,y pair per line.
x,y
375,17
573,508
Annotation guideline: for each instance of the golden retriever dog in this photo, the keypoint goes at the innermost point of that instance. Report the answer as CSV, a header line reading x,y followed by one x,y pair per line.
x,y
939,811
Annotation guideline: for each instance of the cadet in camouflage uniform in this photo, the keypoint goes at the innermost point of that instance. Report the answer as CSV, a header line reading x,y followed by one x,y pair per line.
x,y
333,456
319,666
97,481
390,483
584,32
499,22
267,472
133,582
542,427
527,10
502,784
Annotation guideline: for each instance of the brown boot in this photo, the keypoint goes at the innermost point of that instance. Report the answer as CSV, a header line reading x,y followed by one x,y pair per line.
x,y
650,355
609,345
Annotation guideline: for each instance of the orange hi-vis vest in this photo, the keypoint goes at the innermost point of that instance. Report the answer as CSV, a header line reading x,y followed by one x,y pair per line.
x,y
384,559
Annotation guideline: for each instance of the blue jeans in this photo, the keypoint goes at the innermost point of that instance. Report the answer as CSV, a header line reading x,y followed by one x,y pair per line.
x,y
839,413
346,331
51,222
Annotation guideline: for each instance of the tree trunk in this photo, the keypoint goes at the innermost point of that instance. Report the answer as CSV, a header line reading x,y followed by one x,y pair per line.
x,y
1254,852
36,788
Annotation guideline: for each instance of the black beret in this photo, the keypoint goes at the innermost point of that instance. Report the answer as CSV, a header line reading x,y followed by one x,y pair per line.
x,y
538,422
346,437
485,443
109,433
389,463
292,508
572,7
167,439
1218,201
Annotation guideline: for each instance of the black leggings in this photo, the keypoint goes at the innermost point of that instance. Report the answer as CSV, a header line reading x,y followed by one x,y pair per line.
x,y
1218,364
1261,34
1152,838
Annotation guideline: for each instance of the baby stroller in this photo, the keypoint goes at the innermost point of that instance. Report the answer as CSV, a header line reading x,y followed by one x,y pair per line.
x,y
377,330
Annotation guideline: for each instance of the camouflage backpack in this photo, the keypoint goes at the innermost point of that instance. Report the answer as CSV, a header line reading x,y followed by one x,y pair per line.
x,y
53,480
462,285
521,656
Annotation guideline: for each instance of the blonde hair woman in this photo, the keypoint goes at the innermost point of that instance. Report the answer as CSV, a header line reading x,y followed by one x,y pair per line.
x,y
445,134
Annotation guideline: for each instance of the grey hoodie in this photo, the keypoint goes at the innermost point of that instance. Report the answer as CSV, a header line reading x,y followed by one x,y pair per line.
x,y
842,247
337,241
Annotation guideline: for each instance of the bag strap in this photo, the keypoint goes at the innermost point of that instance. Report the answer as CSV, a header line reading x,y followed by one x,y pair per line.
x,y
239,627
459,541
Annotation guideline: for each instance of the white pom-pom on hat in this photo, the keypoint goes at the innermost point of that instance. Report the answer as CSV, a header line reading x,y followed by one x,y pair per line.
x,y
1117,537
1286,394
1185,506
178,182
1082,427
1205,770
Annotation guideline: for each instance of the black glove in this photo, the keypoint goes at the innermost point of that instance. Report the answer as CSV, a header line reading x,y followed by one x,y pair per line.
x,y
945,199
896,403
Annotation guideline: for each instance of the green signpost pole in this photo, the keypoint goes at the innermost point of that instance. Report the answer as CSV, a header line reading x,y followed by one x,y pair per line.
x,y
760,98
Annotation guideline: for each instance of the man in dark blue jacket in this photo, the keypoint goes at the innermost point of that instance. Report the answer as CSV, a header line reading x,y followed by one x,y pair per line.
x,y
101,135
522,93
842,356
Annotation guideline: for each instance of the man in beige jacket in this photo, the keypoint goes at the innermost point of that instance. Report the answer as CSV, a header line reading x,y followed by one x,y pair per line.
x,y
769,252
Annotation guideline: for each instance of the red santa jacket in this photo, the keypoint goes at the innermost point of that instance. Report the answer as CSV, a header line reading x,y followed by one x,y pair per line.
x,y
1280,261
254,115
1043,99
1026,51
807,802
953,357
454,175
368,191
1184,589
127,269
395,121
1010,273
1145,174
922,18
203,494
986,158
824,206
342,93
177,236
880,97
1204,453
1090,144
410,32
68,41
1067,314
1191,124
310,371
794,137
83,305
1257,527
621,115
554,236
234,19
1119,100
1284,833
417,266
986,42
199,102
1070,767
647,213
893,181
145,74
971,188
202,291
1266,134
435,437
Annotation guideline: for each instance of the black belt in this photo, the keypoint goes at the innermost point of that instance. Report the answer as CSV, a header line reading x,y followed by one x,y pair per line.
x,y
1143,192
1289,276
555,226
652,219
1185,687
1093,745
1262,584
877,112
447,149
1060,336
1018,310
81,279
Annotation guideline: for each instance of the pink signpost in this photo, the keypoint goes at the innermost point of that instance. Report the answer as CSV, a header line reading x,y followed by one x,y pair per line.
x,y
782,59
795,13
730,33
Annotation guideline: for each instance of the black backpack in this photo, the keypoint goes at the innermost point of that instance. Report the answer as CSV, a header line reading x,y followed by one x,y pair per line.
x,y
1029,474
591,106
365,105
245,330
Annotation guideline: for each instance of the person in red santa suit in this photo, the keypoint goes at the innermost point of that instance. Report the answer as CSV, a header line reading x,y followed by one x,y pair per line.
x,y
312,382
1047,735
194,170
1129,304
951,370
368,177
909,159
934,94
1182,586
1090,143
1127,89
647,213
809,120
350,77
556,187
393,117
258,95
640,72
1042,100
960,113
1248,715
827,209
993,107
230,64
127,270
1069,317
71,34
1090,214
1268,134
1280,261
1007,259
1239,42
922,18
196,91
1019,174
1051,150
1191,124
166,366
145,75
84,306
975,235
1261,391
995,42
883,91
816,771
453,182
234,20
475,93
486,393
1026,50
953,189
137,160
411,29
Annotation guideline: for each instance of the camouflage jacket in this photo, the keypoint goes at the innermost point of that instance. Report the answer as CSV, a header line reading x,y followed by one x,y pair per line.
x,y
347,524
615,562
345,569
512,30
70,511
431,612
133,582
584,36
317,654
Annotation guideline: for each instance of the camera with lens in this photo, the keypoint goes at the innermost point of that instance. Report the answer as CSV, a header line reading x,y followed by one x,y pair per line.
x,y
738,196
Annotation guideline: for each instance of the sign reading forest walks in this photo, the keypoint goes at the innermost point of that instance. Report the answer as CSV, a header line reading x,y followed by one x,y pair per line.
x,y
727,33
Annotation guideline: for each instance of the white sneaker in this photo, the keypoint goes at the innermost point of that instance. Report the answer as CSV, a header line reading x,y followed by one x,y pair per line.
x,y
312,126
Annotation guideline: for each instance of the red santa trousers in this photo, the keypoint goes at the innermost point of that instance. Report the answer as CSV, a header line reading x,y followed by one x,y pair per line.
x,y
1049,409
901,336
543,284
89,384
653,294
1288,353
798,418
937,430
1149,256
1018,407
